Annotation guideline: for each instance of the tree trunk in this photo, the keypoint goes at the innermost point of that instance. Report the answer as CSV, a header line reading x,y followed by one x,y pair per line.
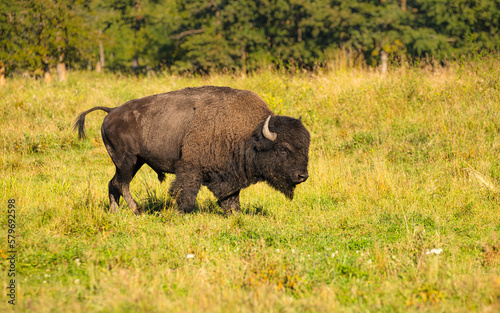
x,y
135,63
403,5
61,71
61,67
2,74
139,19
98,67
349,58
383,58
101,53
47,76
243,53
61,49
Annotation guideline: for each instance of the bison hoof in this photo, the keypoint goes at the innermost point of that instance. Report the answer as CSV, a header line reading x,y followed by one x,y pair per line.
x,y
138,211
233,210
187,210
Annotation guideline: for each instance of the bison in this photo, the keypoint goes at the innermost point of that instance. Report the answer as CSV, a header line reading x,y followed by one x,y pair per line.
x,y
219,137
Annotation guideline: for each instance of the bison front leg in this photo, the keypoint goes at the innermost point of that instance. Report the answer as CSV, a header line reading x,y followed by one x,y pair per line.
x,y
228,199
231,203
185,189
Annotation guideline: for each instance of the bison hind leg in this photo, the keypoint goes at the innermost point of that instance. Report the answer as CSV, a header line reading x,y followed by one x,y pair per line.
x,y
114,194
126,168
127,164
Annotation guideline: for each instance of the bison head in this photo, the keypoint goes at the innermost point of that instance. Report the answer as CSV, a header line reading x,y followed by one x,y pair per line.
x,y
281,146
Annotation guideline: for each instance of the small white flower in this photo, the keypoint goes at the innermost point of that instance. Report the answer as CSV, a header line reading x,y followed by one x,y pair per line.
x,y
220,249
47,275
293,250
77,281
278,250
44,281
434,251
333,255
190,256
369,261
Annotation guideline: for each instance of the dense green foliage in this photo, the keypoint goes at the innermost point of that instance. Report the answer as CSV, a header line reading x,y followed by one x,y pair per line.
x,y
207,35
399,166
39,34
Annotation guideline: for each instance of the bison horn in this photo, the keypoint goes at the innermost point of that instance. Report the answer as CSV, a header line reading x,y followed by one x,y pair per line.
x,y
300,118
266,132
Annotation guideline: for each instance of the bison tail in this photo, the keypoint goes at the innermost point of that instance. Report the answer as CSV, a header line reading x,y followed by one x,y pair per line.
x,y
80,121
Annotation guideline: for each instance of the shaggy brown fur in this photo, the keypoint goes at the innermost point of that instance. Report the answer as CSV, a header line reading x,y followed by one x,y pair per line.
x,y
208,136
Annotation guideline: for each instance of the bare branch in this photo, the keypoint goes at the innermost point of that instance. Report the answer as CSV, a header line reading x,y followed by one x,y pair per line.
x,y
187,33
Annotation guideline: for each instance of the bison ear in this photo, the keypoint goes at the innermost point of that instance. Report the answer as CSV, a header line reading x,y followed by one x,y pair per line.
x,y
300,118
260,143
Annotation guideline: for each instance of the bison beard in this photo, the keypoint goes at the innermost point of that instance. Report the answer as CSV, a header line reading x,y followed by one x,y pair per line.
x,y
284,186
219,137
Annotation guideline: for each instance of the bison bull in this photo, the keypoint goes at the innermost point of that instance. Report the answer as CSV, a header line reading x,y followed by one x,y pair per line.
x,y
223,138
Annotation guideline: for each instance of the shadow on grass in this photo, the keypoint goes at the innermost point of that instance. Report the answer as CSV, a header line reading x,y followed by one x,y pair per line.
x,y
255,210
153,204
213,207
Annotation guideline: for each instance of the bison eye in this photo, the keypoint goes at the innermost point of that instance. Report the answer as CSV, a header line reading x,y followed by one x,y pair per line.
x,y
283,151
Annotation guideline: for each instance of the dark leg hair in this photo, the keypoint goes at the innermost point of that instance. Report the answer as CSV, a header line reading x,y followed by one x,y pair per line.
x,y
230,203
127,166
185,188
114,194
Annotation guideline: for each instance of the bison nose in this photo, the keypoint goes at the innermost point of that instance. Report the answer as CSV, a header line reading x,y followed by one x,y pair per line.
x,y
301,177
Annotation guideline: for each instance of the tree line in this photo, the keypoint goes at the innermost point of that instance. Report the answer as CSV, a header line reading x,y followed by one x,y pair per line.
x,y
38,37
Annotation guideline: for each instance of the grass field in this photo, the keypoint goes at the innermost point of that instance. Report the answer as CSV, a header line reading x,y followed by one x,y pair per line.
x,y
399,165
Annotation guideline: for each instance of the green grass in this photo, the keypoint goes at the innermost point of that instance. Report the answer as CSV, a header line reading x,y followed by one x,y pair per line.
x,y
399,165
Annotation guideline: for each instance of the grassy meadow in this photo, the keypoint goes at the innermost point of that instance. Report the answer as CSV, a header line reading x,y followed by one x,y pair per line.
x,y
400,167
